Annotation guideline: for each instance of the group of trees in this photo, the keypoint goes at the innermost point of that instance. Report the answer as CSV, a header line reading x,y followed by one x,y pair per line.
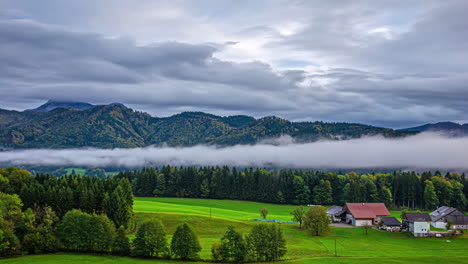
x,y
398,189
151,241
264,243
45,213
110,196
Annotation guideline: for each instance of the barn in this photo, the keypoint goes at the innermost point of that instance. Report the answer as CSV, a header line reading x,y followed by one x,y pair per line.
x,y
443,214
364,214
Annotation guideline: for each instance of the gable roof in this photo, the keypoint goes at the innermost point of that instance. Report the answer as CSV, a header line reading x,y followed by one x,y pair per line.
x,y
367,210
391,221
441,212
334,210
417,217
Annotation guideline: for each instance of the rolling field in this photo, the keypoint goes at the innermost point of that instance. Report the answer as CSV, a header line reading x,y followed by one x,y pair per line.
x,y
353,245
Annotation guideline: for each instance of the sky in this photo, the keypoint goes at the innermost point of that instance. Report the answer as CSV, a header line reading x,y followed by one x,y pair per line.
x,y
395,63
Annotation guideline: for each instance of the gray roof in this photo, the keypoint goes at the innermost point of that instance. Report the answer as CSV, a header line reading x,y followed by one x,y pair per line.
x,y
417,217
334,210
442,212
390,221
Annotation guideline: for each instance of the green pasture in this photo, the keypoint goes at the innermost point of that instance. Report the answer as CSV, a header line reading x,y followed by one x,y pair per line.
x,y
353,245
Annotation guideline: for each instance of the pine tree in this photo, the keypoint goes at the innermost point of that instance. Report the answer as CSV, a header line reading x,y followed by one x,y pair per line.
x,y
185,243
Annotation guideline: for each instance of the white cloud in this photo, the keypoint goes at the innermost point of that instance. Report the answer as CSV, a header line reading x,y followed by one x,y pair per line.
x,y
423,151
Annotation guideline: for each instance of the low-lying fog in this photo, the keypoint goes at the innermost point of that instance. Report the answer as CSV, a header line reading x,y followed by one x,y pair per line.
x,y
423,151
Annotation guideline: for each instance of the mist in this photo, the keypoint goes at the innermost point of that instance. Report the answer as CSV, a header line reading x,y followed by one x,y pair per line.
x,y
422,151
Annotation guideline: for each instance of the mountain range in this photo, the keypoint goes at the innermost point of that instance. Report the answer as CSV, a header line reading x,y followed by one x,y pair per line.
x,y
75,124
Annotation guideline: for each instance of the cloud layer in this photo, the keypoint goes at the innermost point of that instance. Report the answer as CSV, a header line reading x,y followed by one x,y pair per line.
x,y
423,151
391,63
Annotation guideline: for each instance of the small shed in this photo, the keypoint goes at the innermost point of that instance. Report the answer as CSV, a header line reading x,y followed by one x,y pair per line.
x,y
334,213
391,224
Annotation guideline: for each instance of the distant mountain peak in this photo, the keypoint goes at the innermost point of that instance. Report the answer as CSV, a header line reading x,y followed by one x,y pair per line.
x,y
52,104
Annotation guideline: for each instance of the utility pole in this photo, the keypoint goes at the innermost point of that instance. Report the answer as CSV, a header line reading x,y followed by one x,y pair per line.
x,y
335,246
210,207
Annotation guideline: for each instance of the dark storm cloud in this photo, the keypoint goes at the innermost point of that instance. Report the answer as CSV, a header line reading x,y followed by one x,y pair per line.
x,y
391,63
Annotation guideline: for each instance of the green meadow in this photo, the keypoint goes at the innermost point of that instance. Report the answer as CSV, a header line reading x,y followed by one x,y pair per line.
x,y
352,244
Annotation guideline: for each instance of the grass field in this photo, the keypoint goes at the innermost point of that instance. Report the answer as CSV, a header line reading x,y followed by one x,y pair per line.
x,y
353,245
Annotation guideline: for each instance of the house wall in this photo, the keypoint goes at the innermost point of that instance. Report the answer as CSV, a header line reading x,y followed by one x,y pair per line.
x,y
439,224
420,228
363,222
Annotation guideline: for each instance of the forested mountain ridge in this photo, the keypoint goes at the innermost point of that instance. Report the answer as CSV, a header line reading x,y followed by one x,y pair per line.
x,y
115,125
450,128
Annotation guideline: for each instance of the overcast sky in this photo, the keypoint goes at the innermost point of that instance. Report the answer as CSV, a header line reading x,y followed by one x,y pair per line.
x,y
389,63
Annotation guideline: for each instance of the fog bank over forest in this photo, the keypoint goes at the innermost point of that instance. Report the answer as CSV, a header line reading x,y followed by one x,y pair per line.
x,y
423,151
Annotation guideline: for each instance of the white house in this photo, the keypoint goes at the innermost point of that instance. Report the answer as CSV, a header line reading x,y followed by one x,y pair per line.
x,y
419,224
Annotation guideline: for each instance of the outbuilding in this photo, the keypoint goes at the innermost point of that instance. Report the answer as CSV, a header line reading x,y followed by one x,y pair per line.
x,y
443,214
391,224
334,213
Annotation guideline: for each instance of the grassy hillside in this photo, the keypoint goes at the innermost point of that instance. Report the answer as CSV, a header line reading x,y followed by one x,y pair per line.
x,y
239,210
353,245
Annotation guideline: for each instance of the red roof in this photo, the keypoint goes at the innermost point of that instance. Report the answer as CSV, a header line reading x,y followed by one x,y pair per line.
x,y
367,210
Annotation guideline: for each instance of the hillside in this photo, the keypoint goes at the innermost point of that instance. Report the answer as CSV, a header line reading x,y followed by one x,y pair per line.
x,y
111,126
450,128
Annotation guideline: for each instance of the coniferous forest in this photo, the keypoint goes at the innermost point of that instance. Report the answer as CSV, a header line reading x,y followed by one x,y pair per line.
x,y
399,189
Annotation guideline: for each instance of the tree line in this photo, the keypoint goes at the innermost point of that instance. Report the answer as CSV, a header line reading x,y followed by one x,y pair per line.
x,y
398,189
112,196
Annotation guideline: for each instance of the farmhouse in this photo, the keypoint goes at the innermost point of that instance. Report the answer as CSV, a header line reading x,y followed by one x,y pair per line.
x,y
334,213
391,224
417,223
443,214
364,214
